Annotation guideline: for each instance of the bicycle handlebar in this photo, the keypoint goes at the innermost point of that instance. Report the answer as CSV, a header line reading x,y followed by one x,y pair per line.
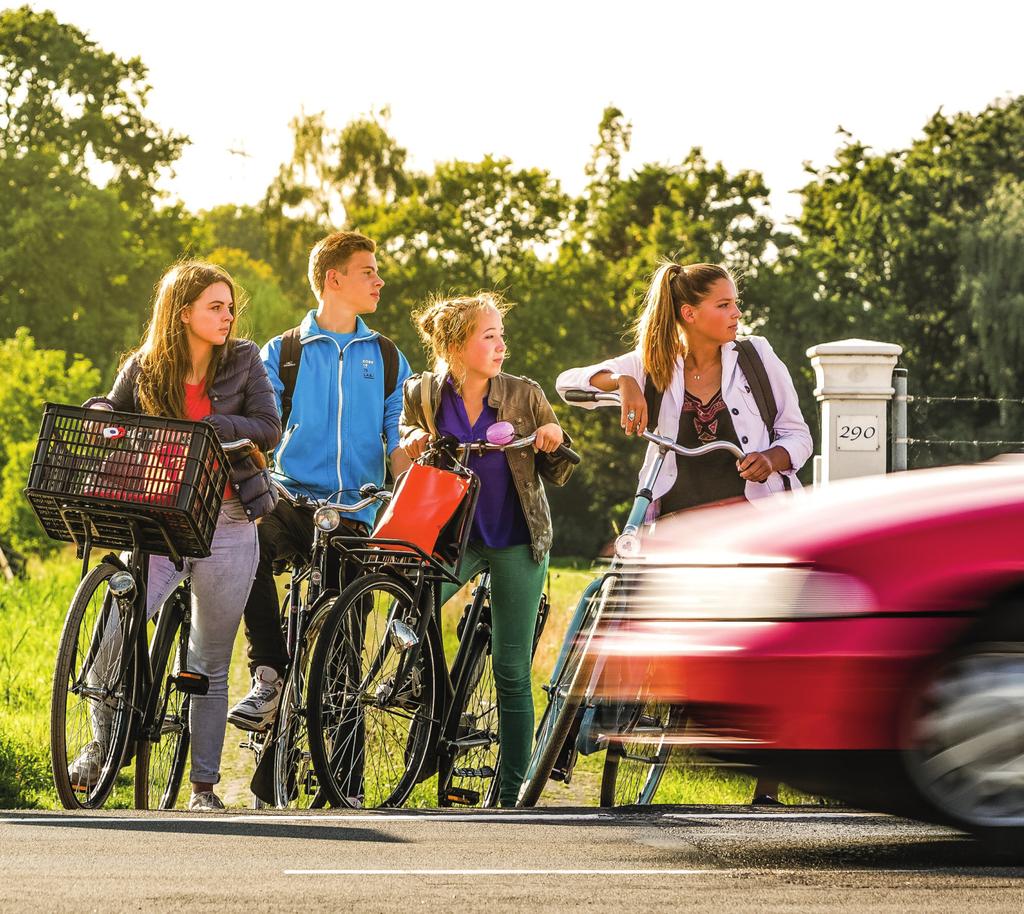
x,y
611,398
376,495
482,447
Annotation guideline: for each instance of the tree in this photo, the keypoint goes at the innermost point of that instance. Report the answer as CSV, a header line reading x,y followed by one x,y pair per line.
x,y
885,239
79,256
61,92
31,377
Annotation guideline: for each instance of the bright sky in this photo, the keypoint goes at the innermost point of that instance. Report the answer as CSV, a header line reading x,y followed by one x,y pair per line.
x,y
758,85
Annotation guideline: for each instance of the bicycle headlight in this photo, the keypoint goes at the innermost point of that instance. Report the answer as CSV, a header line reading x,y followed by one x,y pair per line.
x,y
627,546
327,518
121,583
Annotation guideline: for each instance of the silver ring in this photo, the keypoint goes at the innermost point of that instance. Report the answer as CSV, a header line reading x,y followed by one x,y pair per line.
x,y
631,415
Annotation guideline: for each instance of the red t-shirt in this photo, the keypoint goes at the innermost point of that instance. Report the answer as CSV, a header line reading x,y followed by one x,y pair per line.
x,y
198,407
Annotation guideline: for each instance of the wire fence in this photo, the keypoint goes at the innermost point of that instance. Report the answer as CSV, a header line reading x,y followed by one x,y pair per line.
x,y
954,429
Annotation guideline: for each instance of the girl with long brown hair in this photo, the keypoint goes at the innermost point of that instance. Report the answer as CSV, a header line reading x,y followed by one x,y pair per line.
x,y
190,366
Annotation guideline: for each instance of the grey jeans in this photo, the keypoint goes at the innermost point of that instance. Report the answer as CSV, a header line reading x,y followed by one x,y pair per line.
x,y
220,587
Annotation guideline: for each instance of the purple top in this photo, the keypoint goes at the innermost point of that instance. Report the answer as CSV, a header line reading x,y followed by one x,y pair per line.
x,y
499,519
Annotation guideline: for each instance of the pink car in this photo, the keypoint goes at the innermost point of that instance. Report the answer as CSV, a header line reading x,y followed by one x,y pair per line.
x,y
863,641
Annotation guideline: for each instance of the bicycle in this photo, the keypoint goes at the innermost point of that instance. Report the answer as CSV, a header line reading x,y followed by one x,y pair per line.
x,y
639,741
287,778
383,704
149,486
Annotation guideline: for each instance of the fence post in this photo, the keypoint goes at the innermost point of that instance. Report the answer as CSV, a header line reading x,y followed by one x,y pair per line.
x,y
854,386
899,420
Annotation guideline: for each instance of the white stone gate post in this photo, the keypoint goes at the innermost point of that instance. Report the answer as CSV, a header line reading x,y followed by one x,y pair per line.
x,y
854,387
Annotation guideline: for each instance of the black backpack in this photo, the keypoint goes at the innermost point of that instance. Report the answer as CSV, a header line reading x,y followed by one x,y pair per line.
x,y
760,386
291,356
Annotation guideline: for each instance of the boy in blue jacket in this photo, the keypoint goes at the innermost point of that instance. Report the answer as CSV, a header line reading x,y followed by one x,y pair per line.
x,y
340,423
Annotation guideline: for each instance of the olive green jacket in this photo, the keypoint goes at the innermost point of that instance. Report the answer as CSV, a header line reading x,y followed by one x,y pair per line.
x,y
521,402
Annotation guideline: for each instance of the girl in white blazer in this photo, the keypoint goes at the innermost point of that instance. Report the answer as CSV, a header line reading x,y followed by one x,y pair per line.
x,y
686,341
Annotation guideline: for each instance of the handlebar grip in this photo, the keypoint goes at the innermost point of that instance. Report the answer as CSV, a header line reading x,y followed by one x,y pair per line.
x,y
568,453
576,395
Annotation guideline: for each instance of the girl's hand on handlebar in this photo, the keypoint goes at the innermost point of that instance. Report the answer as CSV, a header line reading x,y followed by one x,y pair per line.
x,y
415,443
549,437
755,467
634,406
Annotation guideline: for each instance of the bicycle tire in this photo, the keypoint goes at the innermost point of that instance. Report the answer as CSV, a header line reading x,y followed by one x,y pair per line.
x,y
352,702
160,765
633,769
565,696
295,783
475,709
70,725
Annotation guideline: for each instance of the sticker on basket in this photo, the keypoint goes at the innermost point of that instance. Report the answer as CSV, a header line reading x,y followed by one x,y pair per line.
x,y
111,432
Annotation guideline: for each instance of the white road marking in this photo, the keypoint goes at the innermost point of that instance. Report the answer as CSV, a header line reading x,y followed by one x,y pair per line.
x,y
777,816
489,872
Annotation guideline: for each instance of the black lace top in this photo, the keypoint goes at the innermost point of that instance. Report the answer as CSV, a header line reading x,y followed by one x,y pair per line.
x,y
713,477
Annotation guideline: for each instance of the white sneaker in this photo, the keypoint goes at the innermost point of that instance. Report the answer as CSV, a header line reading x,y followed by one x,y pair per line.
x,y
207,801
84,771
256,711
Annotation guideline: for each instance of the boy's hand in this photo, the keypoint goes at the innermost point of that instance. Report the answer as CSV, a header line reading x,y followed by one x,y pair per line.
x,y
549,437
415,443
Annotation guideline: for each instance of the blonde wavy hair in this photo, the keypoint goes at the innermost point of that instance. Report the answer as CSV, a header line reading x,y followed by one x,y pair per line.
x,y
164,357
658,330
446,324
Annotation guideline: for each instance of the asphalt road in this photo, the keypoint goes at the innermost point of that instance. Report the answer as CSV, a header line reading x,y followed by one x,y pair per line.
x,y
657,859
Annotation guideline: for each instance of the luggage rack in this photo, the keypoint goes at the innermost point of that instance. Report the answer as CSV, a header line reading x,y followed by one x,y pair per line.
x,y
395,557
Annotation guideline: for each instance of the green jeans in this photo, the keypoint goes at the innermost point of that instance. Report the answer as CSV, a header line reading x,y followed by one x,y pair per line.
x,y
517,582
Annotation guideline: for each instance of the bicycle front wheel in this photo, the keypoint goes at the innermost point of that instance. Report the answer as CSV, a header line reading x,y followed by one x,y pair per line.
x,y
637,757
90,706
373,714
160,763
565,697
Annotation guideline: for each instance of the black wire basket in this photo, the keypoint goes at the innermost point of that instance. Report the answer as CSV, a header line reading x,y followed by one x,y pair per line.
x,y
122,479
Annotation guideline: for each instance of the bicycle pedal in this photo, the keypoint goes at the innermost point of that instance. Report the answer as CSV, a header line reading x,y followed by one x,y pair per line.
x,y
191,683
561,774
457,796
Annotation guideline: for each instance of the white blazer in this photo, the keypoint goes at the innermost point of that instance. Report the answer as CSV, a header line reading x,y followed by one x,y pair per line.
x,y
751,431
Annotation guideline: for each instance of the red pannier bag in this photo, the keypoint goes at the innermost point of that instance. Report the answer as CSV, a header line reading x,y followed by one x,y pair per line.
x,y
425,502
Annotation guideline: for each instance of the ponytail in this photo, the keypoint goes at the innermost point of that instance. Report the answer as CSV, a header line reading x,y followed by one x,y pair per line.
x,y
657,330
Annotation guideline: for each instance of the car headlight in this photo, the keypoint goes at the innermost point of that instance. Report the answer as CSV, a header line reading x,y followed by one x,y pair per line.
x,y
750,593
327,518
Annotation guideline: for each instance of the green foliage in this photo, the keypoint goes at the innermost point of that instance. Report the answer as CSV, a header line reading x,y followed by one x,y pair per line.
x,y
267,311
992,277
34,376
78,258
31,378
885,240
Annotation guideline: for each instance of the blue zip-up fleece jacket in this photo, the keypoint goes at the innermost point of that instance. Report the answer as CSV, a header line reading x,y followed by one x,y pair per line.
x,y
339,423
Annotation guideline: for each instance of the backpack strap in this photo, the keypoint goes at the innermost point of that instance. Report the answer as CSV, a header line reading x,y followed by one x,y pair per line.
x,y
761,387
288,369
653,396
389,354
426,383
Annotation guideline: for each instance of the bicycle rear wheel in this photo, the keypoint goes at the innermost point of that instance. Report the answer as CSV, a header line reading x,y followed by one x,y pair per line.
x,y
468,769
160,765
90,708
295,781
637,757
372,717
